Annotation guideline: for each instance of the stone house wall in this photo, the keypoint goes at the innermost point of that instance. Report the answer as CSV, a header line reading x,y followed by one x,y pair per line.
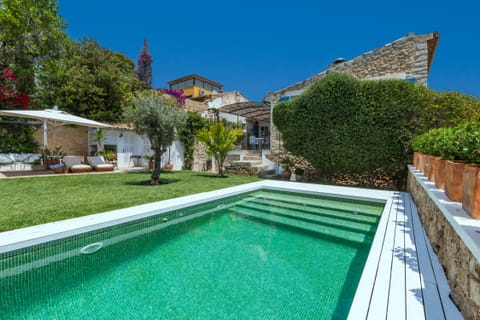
x,y
460,265
72,139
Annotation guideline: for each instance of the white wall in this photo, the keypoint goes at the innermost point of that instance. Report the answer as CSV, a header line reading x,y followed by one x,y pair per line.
x,y
130,144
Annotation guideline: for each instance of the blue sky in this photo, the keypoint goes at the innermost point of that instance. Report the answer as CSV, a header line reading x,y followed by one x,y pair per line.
x,y
260,46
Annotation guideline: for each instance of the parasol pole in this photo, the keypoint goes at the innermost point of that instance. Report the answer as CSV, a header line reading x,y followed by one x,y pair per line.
x,y
45,142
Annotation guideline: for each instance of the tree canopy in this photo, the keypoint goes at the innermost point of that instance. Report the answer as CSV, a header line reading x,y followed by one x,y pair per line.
x,y
31,33
144,71
89,81
157,116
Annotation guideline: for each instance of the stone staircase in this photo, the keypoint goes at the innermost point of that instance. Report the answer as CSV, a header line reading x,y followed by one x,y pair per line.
x,y
250,165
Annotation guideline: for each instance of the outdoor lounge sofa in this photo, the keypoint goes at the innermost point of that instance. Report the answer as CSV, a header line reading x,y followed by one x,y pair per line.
x,y
98,163
75,164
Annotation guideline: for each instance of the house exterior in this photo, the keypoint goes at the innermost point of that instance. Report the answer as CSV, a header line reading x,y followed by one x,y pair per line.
x,y
409,58
196,87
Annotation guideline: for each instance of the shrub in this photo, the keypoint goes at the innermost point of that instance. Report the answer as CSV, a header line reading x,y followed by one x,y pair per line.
x,y
459,143
344,125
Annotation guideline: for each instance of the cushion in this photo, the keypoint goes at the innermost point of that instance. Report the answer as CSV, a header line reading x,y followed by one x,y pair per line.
x,y
104,167
95,161
71,161
80,168
5,159
32,158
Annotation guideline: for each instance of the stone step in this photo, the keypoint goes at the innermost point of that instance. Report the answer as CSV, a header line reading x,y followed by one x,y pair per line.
x,y
321,231
246,163
250,158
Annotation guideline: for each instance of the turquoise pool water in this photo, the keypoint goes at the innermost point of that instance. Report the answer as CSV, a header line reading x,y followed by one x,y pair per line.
x,y
262,255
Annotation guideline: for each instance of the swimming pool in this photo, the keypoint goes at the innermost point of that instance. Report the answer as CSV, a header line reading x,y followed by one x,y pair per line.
x,y
246,255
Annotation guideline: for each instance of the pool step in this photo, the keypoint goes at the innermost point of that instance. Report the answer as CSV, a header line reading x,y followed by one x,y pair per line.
x,y
321,231
327,203
346,216
312,217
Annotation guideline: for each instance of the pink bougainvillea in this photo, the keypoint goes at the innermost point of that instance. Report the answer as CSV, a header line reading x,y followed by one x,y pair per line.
x,y
178,94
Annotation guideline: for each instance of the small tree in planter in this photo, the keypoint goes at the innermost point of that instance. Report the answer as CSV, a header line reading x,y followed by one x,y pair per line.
x,y
150,158
286,164
219,140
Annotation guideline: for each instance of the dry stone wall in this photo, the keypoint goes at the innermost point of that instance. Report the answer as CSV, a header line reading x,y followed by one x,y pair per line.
x,y
72,139
461,267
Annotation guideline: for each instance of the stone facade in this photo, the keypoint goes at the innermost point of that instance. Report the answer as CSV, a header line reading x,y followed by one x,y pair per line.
x,y
461,267
201,161
196,106
72,139
409,57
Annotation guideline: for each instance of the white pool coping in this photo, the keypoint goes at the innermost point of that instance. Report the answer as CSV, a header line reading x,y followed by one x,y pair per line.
x,y
25,237
21,238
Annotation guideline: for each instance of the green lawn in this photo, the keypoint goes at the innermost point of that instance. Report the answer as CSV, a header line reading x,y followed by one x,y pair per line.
x,y
30,201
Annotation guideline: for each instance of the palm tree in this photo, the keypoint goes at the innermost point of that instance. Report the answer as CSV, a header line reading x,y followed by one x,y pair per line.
x,y
219,140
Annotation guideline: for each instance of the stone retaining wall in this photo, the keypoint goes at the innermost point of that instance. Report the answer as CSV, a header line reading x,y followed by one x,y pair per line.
x,y
461,267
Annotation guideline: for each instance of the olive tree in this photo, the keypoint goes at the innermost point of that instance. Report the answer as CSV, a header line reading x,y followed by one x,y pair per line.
x,y
158,117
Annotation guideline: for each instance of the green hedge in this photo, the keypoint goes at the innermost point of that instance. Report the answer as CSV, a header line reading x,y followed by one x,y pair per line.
x,y
459,143
344,125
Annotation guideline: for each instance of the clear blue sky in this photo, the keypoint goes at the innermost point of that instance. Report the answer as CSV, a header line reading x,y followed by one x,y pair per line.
x,y
260,46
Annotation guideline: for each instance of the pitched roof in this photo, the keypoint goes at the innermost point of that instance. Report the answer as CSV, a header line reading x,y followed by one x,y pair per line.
x,y
430,46
195,76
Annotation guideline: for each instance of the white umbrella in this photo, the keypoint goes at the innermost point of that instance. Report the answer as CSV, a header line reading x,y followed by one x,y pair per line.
x,y
54,117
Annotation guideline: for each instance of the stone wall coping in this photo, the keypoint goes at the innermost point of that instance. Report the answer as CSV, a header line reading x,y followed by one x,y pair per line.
x,y
467,228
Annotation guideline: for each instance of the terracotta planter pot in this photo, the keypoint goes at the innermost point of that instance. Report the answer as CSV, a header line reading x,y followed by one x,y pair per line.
x,y
454,180
428,159
471,190
168,166
440,168
286,174
433,168
421,162
416,159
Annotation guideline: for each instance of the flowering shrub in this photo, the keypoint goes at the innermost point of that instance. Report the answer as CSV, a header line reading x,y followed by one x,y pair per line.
x,y
9,97
178,94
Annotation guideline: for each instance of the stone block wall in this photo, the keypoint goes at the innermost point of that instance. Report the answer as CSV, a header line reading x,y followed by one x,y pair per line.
x,y
461,267
72,139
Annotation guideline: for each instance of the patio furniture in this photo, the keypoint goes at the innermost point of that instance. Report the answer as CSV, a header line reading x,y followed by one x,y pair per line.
x,y
75,164
98,164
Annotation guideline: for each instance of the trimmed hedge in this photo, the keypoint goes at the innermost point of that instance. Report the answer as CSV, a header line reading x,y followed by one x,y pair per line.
x,y
344,125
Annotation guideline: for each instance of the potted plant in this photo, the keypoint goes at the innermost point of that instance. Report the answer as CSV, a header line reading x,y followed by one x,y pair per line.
x,y
51,157
286,163
168,165
108,155
299,172
150,158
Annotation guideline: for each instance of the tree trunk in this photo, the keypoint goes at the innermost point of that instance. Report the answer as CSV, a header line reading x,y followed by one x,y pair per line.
x,y
156,168
220,166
